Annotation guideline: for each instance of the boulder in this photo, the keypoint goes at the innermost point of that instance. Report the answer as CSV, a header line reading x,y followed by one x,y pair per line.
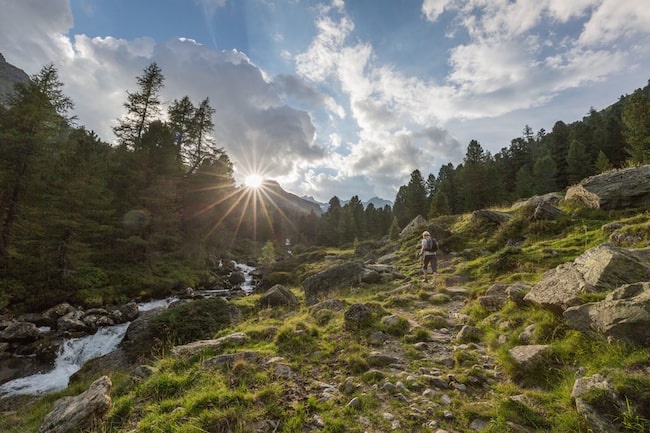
x,y
278,296
486,216
595,271
84,411
229,359
129,312
357,316
337,277
620,189
216,345
530,356
623,315
20,331
598,422
414,225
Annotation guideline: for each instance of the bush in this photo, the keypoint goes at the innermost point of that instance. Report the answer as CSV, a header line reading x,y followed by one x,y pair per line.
x,y
196,320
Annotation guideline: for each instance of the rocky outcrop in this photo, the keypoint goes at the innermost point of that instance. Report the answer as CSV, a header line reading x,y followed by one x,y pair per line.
x,y
598,270
620,189
337,277
623,315
84,411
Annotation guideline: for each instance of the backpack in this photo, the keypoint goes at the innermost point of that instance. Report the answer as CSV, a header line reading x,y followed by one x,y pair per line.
x,y
431,246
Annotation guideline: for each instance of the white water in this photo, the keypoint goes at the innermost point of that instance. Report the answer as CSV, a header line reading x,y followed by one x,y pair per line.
x,y
74,352
247,285
72,355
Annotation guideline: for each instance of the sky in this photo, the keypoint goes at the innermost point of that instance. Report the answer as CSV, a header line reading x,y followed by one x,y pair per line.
x,y
342,97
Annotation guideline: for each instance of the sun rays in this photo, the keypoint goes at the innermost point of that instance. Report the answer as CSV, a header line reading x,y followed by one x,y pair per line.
x,y
252,206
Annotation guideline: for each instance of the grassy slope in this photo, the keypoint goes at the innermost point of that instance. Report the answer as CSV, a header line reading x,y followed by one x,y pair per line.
x,y
327,359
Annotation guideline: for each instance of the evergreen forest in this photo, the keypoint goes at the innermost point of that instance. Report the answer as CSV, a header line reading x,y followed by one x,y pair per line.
x,y
93,222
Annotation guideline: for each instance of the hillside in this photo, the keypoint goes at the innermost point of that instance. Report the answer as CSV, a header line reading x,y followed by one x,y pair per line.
x,y
391,353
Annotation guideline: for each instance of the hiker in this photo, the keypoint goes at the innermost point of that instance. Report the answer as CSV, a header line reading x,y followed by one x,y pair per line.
x,y
428,249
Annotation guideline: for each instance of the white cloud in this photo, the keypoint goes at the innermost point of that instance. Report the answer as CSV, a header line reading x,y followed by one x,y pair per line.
x,y
615,19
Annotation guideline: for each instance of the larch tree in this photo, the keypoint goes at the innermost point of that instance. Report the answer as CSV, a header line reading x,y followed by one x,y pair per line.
x,y
142,107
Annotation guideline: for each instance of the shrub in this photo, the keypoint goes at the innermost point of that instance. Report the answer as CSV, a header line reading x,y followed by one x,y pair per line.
x,y
196,320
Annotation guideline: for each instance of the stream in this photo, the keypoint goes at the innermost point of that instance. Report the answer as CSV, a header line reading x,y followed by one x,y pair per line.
x,y
74,352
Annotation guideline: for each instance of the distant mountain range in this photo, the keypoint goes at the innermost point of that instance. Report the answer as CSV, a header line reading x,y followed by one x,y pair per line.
x,y
377,202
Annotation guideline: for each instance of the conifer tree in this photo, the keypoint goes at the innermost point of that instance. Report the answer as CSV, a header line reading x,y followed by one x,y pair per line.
x,y
636,118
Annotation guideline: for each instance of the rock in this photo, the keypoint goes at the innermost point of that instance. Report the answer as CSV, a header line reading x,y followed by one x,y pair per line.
x,y
330,304
20,332
72,322
142,372
379,359
486,216
337,277
469,333
598,422
357,316
236,278
278,296
620,189
216,345
229,359
414,225
84,411
597,270
531,356
129,311
623,315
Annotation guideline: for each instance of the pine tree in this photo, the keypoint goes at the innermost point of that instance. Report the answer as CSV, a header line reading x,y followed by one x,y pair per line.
x,y
602,163
636,118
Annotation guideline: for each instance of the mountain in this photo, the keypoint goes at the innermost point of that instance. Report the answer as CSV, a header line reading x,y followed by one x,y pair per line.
x,y
10,75
377,202
287,201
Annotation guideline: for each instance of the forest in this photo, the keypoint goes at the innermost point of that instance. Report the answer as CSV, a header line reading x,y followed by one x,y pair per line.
x,y
91,222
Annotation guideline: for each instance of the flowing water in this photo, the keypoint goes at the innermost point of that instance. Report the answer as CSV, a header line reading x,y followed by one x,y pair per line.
x,y
74,352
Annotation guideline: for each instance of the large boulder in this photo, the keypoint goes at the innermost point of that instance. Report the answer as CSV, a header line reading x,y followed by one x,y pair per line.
x,y
278,296
337,277
598,270
623,315
20,331
414,225
619,189
84,411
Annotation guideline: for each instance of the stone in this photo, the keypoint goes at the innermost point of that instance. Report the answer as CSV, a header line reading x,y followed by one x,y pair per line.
x,y
84,411
595,271
214,345
598,422
336,277
623,315
357,316
619,189
20,332
530,356
278,296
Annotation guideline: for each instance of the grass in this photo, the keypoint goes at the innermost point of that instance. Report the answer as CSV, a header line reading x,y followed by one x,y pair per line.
x,y
323,354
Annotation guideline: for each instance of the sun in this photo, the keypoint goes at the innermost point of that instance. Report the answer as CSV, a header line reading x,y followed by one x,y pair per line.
x,y
253,181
